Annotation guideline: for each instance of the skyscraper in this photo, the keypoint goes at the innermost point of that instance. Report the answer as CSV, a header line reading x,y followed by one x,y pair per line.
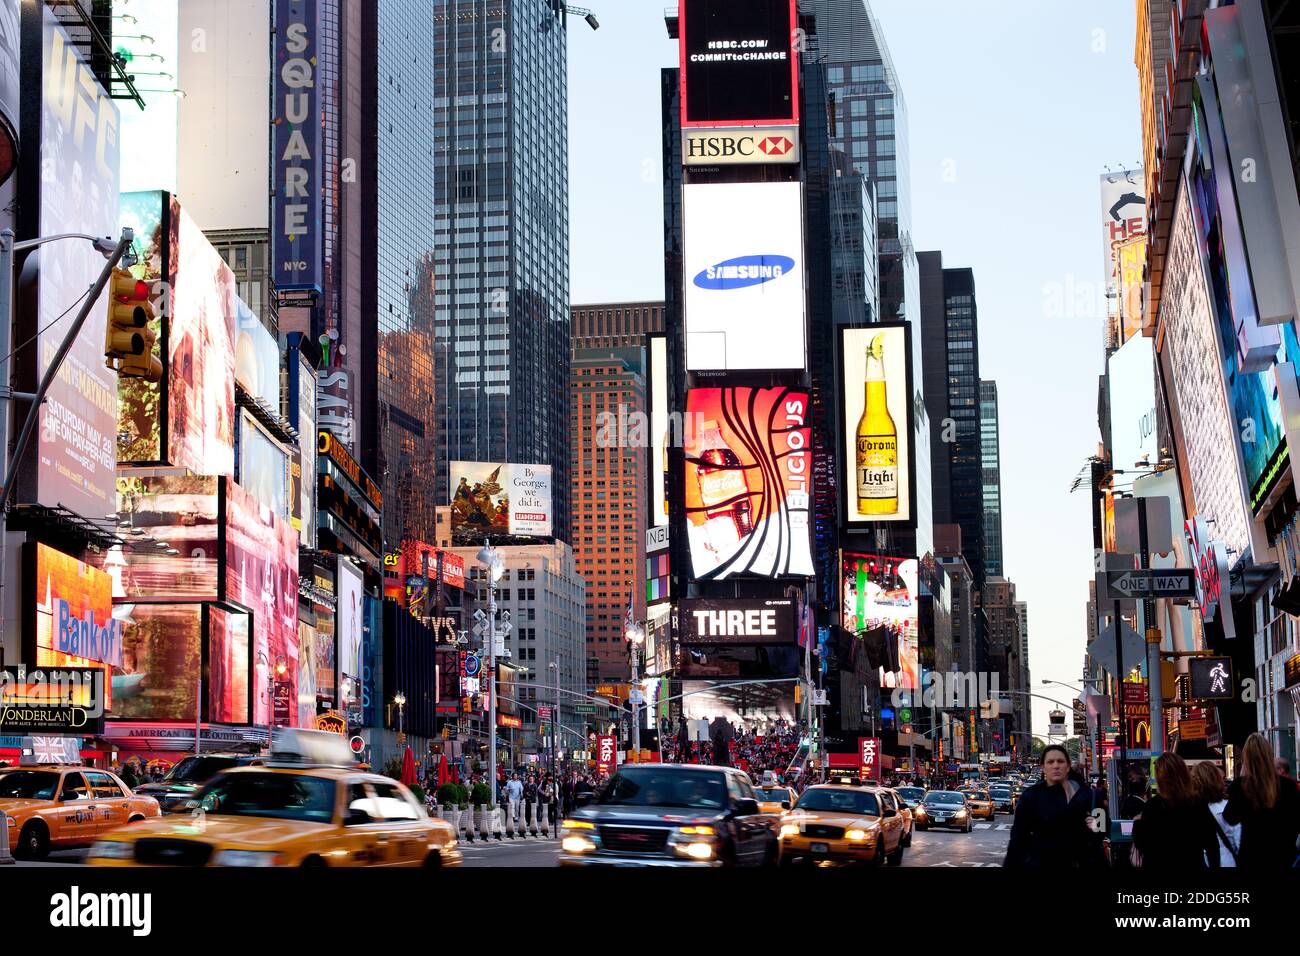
x,y
499,149
990,455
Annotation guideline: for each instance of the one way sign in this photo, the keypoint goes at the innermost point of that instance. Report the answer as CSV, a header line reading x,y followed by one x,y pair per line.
x,y
1150,584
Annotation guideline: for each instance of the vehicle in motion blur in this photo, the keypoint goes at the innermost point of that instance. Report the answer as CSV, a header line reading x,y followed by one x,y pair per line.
x,y
291,812
185,779
979,803
61,807
1004,798
671,815
835,823
944,808
775,799
904,811
910,796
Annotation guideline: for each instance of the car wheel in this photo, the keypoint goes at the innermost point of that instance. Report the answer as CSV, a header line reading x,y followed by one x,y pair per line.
x,y
878,858
772,855
907,840
920,826
135,819
433,861
896,858
313,863
34,842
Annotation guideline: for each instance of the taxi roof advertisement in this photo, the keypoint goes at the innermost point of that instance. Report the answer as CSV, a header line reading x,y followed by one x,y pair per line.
x,y
739,65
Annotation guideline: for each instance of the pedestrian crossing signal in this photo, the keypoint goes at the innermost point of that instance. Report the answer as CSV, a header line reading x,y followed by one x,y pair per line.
x,y
129,339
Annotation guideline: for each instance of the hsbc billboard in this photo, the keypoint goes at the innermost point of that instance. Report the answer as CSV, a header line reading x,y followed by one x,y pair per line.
x,y
740,147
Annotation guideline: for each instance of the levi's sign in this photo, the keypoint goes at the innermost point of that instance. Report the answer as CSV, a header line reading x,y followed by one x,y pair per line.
x,y
1150,584
740,147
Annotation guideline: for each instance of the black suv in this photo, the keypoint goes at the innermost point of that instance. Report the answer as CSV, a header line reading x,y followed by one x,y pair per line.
x,y
185,779
672,815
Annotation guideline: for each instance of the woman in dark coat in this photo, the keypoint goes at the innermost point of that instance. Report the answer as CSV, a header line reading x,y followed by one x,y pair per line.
x,y
1051,825
1268,808
1176,830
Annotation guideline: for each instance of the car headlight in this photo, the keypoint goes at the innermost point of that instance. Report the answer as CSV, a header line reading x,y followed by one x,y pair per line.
x,y
111,850
246,858
577,825
699,851
789,829
856,835
576,844
697,831
960,813
920,811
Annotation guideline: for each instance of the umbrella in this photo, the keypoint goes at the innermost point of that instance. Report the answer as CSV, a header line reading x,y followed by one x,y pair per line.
x,y
408,767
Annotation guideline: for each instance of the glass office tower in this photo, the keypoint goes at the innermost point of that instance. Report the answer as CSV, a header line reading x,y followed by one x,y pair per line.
x,y
499,150
989,453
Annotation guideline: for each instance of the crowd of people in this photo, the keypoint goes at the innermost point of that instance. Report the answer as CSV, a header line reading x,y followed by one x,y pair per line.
x,y
1194,820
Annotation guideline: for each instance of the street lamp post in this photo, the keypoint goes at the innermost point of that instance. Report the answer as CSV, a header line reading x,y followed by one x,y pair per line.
x,y
491,561
634,638
400,701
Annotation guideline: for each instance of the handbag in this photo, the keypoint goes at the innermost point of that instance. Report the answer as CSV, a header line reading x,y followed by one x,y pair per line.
x,y
1232,850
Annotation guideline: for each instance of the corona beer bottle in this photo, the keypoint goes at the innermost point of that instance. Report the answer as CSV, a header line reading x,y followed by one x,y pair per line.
x,y
877,454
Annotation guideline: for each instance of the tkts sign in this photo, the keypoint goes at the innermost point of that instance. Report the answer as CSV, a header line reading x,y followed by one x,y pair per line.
x,y
606,754
869,757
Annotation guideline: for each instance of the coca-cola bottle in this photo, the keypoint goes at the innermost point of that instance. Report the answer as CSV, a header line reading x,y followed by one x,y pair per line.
x,y
724,491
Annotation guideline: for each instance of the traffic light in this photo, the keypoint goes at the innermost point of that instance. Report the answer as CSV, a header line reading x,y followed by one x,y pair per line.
x,y
798,693
129,340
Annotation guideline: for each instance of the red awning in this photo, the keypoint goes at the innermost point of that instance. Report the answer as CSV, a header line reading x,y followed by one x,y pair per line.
x,y
844,760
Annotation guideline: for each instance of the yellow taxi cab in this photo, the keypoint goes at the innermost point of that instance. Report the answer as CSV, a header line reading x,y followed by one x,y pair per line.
x,y
979,802
56,806
774,799
297,810
838,823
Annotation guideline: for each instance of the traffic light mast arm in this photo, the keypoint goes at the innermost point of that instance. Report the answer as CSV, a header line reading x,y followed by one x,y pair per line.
x,y
33,413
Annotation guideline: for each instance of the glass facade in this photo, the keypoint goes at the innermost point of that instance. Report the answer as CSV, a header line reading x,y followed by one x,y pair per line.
x,y
499,148
992,481
407,279
966,460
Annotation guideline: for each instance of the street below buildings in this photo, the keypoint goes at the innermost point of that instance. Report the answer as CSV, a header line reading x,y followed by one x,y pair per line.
x,y
986,845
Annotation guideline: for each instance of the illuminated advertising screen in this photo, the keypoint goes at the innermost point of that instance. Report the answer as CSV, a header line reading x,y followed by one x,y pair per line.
x,y
201,355
326,667
263,466
302,397
257,359
747,482
1131,260
228,657
140,413
1131,379
877,425
179,516
744,276
658,399
739,65
880,610
77,150
737,621
308,669
1123,218
351,585
262,577
489,499
74,609
161,665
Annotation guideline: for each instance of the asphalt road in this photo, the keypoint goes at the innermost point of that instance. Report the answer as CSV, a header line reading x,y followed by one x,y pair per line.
x,y
985,846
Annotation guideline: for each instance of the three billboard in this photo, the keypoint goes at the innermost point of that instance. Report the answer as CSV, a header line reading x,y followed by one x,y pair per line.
x,y
739,63
491,499
747,470
875,363
738,621
743,273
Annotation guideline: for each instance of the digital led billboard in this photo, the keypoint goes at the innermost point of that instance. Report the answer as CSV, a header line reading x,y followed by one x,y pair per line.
x,y
178,514
881,610
162,657
877,424
76,146
257,359
308,668
263,466
351,589
738,621
201,355
228,660
491,499
748,496
739,64
262,576
743,271
658,399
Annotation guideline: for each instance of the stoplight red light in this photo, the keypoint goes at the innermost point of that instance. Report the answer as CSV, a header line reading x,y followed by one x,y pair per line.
x,y
142,289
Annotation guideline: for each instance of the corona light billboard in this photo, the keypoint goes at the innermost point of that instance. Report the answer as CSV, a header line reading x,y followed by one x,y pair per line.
x,y
748,494
877,424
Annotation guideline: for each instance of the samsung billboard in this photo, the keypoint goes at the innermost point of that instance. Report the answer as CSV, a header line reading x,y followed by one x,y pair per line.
x,y
744,276
739,62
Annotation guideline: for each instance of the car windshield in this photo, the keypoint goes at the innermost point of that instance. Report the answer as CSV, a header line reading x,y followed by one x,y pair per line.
x,y
773,793
649,787
1001,792
28,784
197,769
911,793
282,796
857,802
944,798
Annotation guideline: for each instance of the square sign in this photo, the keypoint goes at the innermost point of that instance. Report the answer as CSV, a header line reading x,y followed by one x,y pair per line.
x,y
1211,678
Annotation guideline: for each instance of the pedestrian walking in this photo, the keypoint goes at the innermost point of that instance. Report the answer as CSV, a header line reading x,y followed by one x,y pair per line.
x,y
1135,794
1176,830
1267,807
514,796
1050,830
1210,786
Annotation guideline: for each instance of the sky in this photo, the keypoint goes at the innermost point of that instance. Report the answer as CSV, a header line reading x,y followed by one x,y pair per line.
x,y
1015,110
